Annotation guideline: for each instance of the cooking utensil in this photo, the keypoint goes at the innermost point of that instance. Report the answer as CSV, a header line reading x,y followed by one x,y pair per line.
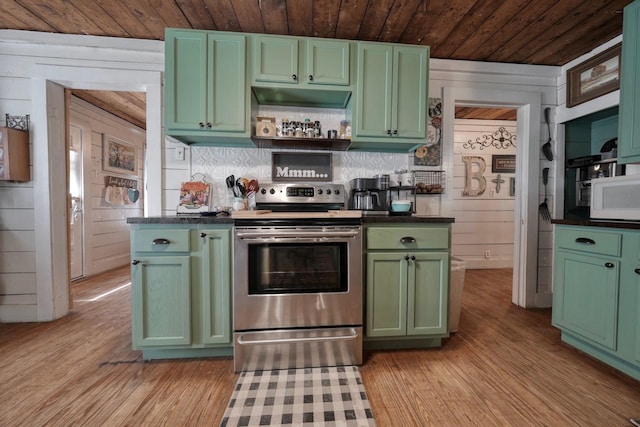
x,y
544,208
253,186
240,186
231,183
546,147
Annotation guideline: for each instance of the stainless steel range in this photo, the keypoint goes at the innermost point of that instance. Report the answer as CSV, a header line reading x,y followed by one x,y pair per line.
x,y
298,280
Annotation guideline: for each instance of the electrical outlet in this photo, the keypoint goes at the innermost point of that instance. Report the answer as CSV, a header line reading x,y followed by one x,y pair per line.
x,y
487,254
179,153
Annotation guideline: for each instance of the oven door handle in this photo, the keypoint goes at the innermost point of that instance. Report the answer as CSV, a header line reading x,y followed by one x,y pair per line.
x,y
262,235
352,335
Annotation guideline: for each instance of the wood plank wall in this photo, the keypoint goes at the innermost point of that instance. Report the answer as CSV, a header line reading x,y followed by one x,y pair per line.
x,y
107,243
484,222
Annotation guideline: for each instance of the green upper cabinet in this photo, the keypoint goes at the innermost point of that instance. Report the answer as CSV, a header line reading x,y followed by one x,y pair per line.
x,y
328,62
205,88
185,79
391,92
629,124
277,60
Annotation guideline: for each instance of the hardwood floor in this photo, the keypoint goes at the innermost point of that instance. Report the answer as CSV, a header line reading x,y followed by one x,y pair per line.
x,y
505,366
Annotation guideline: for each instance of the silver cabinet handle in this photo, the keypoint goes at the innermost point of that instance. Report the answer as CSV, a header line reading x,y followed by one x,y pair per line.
x,y
161,241
408,239
352,335
609,265
585,241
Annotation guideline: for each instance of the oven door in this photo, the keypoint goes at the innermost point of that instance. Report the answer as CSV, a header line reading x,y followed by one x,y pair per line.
x,y
297,277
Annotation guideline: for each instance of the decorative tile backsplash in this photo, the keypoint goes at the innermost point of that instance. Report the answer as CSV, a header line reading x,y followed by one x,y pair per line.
x,y
216,163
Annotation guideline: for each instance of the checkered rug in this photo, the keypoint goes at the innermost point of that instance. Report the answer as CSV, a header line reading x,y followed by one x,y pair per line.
x,y
327,397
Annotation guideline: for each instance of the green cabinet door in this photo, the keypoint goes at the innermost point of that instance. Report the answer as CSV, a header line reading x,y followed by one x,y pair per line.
x,y
629,120
636,284
205,81
386,295
427,293
373,90
275,59
226,83
391,91
585,297
409,103
327,62
185,79
161,301
216,286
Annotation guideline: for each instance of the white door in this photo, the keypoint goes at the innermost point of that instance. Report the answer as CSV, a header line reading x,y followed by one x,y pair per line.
x,y
76,234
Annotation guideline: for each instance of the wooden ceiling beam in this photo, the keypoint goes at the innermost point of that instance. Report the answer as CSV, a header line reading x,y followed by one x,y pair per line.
x,y
467,26
325,18
223,15
398,20
197,14
374,18
274,16
14,15
350,19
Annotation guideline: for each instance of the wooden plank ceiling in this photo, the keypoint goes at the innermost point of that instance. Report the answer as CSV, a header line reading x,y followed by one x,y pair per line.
x,y
544,32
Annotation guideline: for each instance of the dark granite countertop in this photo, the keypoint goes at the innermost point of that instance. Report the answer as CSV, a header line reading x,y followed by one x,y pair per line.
x,y
405,219
391,219
182,219
634,225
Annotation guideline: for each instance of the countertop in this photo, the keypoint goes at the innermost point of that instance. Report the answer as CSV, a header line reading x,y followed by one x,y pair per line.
x,y
633,225
378,219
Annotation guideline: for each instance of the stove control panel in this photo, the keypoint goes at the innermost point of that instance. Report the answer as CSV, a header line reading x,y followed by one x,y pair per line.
x,y
300,193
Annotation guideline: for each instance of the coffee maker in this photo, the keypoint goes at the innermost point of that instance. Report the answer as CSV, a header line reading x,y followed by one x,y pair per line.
x,y
369,195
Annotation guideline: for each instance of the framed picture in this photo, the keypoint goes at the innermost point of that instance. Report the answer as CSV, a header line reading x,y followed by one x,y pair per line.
x,y
503,163
429,153
119,156
594,77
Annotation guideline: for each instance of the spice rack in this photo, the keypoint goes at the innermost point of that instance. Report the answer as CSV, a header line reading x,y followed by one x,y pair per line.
x,y
429,182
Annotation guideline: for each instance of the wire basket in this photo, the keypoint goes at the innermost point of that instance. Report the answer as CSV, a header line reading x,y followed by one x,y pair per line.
x,y
429,182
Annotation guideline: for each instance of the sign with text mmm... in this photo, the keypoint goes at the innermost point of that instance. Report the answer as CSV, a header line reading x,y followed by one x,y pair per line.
x,y
301,167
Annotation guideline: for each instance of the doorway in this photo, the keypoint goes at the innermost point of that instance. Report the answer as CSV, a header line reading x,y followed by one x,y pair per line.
x,y
76,216
528,105
49,151
484,186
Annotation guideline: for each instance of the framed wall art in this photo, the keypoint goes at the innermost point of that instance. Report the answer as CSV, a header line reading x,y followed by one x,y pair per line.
x,y
119,156
594,77
503,163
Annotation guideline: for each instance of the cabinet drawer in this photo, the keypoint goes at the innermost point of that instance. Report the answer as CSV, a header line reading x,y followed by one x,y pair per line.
x,y
597,242
407,238
161,240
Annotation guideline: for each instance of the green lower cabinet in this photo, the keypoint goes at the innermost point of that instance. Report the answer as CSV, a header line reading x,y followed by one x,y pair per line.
x,y
407,294
596,293
161,301
636,285
216,286
586,296
181,303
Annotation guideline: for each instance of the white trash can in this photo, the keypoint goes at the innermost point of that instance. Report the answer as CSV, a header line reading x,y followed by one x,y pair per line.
x,y
455,292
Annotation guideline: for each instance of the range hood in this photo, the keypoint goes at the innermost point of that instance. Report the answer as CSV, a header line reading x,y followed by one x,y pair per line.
x,y
297,97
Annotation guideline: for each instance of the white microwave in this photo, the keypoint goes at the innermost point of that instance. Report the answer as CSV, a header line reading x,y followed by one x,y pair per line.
x,y
617,197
